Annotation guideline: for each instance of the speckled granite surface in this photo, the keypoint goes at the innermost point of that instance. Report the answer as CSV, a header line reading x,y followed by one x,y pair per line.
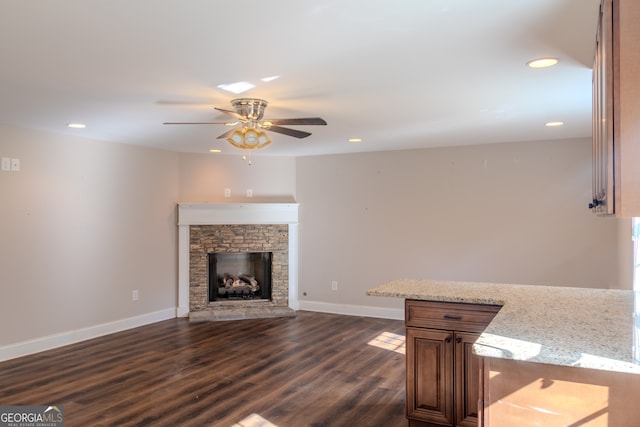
x,y
591,328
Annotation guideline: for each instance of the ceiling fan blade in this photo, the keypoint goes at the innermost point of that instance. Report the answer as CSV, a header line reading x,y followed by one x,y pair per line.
x,y
298,121
287,131
195,123
231,113
225,135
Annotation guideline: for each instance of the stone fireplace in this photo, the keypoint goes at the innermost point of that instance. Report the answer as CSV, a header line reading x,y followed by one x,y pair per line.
x,y
255,246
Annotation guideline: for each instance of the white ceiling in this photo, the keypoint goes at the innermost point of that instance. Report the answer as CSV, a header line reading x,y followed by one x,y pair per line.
x,y
399,74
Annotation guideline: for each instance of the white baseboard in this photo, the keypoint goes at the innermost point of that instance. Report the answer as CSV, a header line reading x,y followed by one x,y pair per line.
x,y
353,310
24,348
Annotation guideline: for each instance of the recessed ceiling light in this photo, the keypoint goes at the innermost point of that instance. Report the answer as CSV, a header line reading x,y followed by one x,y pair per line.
x,y
542,62
553,124
237,87
215,150
355,139
76,125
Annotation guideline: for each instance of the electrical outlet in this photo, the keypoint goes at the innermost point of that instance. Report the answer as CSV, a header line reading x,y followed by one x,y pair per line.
x,y
334,285
249,192
135,295
227,192
6,164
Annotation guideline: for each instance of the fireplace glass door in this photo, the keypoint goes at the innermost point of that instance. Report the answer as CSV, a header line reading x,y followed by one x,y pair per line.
x,y
239,275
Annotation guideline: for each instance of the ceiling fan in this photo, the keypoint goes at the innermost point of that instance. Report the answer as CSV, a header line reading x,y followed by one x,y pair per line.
x,y
249,113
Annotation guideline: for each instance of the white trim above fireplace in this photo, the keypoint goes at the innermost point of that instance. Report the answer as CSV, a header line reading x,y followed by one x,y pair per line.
x,y
234,213
237,213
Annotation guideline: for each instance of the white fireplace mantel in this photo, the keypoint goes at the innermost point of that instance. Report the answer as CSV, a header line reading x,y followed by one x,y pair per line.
x,y
237,213
234,213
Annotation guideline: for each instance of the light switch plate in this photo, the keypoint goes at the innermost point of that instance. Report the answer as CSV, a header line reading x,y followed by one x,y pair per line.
x,y
15,165
6,164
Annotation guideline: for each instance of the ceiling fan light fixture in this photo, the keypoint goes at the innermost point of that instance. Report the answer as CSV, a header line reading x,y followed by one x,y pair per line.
x,y
248,139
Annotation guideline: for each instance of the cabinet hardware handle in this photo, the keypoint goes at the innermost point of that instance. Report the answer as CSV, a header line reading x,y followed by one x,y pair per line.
x,y
447,339
458,340
595,203
452,317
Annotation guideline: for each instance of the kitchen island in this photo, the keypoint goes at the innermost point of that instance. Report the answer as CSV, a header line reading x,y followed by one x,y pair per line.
x,y
550,355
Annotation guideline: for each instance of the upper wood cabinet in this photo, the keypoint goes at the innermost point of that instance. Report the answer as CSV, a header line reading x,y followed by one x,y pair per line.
x,y
616,110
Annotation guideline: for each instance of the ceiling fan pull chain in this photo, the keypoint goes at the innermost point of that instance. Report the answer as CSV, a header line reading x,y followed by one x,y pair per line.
x,y
247,157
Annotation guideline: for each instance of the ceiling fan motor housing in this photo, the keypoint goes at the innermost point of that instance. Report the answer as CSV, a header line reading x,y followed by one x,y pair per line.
x,y
252,109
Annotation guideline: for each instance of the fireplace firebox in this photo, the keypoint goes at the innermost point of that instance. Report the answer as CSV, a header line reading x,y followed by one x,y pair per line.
x,y
239,275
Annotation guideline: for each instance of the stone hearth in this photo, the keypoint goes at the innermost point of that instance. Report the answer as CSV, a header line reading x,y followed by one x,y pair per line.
x,y
210,228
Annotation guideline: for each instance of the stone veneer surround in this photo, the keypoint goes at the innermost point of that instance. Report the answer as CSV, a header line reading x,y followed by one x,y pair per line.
x,y
259,227
206,239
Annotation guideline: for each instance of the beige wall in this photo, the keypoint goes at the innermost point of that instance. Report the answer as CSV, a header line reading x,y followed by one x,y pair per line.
x,y
82,225
86,222
203,178
510,213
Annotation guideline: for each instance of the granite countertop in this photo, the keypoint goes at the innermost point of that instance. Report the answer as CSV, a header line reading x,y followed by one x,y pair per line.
x,y
582,327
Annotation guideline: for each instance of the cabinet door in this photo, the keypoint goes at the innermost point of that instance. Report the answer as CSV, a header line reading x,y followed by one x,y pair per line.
x,y
602,132
467,380
430,375
616,108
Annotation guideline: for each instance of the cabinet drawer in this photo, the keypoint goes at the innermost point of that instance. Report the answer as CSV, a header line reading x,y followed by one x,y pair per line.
x,y
449,315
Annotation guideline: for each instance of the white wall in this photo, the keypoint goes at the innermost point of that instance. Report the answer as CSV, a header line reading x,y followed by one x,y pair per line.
x,y
82,225
508,213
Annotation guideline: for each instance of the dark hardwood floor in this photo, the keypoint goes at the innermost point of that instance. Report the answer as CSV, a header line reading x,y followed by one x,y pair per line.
x,y
316,369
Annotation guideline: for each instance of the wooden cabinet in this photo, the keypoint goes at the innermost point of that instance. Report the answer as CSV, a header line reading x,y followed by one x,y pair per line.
x,y
429,375
443,375
616,110
467,387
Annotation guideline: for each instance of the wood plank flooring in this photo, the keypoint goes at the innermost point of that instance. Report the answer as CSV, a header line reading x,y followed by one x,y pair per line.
x,y
313,370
